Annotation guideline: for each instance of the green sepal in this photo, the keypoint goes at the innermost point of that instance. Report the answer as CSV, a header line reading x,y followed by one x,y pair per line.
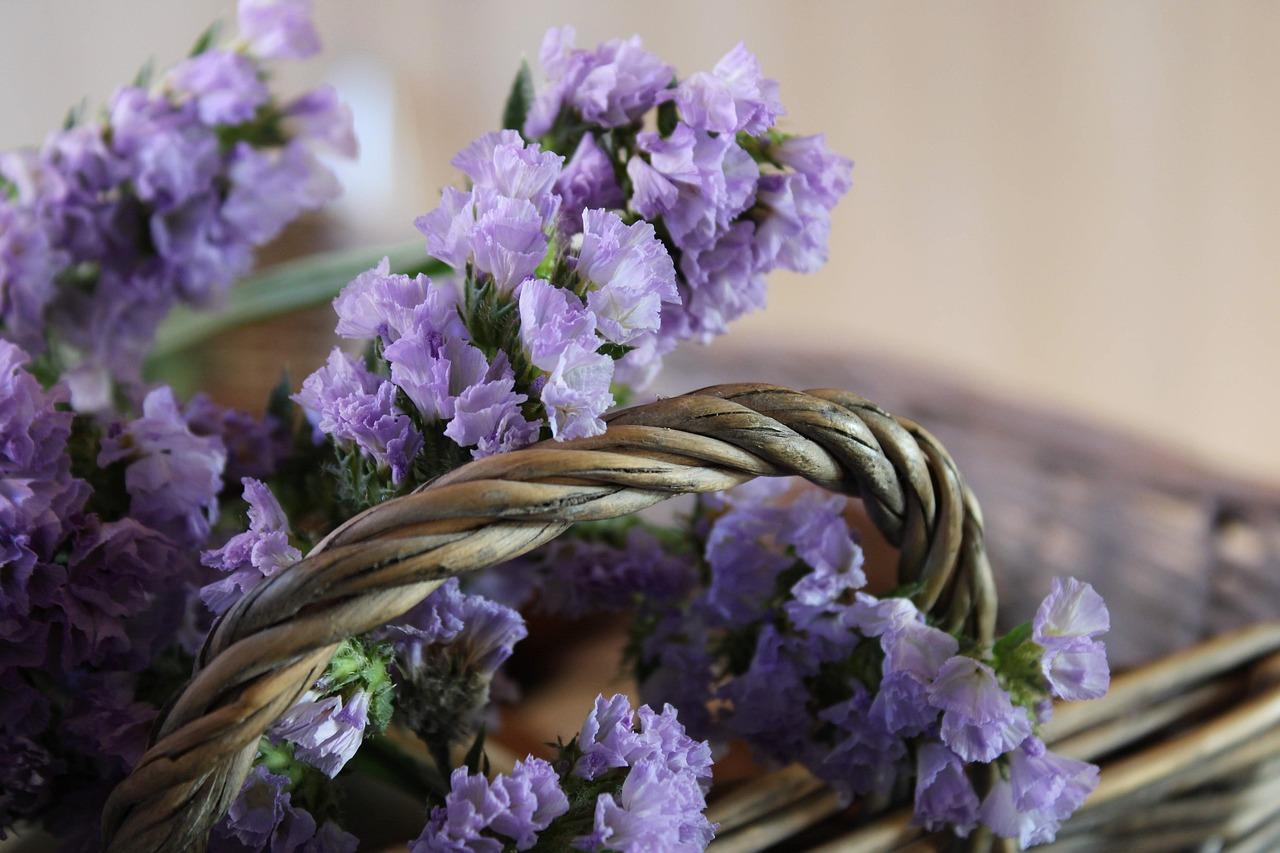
x,y
519,99
668,118
206,38
614,351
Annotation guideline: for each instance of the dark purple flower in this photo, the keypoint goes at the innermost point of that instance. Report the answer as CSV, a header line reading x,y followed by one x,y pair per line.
x,y
263,817
27,266
746,557
254,446
171,156
107,723
979,722
225,86
765,710
719,284
588,181
278,29
733,97
865,758
944,796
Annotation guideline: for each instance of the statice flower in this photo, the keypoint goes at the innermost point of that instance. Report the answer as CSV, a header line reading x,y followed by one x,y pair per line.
x,y
628,275
432,366
480,815
447,650
269,189
325,731
611,86
719,285
488,417
503,163
979,722
278,29
1042,790
248,557
378,304
27,266
173,475
255,446
264,817
224,85
320,117
734,97
1069,619
588,181
866,756
944,796
346,402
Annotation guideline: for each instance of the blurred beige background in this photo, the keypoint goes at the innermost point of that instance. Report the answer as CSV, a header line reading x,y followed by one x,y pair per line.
x,y
1073,203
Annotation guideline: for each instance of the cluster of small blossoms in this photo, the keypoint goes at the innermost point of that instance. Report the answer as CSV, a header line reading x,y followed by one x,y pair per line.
x,y
782,649
731,197
631,781
160,200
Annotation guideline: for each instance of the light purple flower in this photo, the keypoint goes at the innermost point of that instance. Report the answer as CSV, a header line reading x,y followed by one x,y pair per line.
x,y
278,29
629,275
320,117
377,303
552,320
479,634
979,722
257,553
325,731
765,710
271,188
501,161
173,476
944,795
507,242
745,556
1065,625
828,175
487,416
1042,791
606,737
577,393
713,180
733,97
517,805
913,656
469,808
448,228
655,810
531,798
225,86
433,369
348,403
820,536
588,181
719,285
613,85
171,157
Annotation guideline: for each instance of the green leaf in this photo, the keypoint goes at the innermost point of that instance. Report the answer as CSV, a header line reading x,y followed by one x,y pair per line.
x,y
207,38
519,100
75,115
145,75
614,351
475,755
667,118
284,289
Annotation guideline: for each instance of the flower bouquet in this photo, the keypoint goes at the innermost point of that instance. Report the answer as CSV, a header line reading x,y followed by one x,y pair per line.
x,y
212,622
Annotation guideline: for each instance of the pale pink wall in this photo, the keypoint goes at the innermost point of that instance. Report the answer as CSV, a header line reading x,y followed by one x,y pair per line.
x,y
1078,202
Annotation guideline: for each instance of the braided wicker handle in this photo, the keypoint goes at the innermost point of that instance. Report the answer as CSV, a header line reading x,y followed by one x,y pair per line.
x,y
265,651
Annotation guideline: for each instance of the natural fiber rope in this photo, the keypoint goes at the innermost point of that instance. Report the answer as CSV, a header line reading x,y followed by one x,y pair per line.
x,y
267,649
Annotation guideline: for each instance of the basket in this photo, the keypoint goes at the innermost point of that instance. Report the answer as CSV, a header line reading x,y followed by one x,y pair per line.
x,y
1189,745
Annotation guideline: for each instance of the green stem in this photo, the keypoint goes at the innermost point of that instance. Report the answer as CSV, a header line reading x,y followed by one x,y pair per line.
x,y
380,758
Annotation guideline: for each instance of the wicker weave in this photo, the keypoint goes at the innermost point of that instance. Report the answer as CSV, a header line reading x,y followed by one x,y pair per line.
x,y
1190,781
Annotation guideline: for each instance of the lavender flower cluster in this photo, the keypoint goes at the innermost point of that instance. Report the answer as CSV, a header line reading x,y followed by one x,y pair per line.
x,y
573,278
631,781
782,649
160,200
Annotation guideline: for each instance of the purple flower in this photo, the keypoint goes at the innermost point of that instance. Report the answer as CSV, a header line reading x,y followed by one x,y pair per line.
x,y
865,758
318,116
979,722
105,721
1074,663
225,86
263,817
697,183
606,737
577,393
719,285
655,810
828,175
348,403
257,553
271,188
1042,791
325,731
171,157
745,559
613,85
507,242
765,710
878,617
628,273
531,798
793,231
501,161
173,475
379,304
944,796
449,227
27,265
433,369
254,446
734,97
278,29
487,416
553,320
914,654
820,536
588,181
